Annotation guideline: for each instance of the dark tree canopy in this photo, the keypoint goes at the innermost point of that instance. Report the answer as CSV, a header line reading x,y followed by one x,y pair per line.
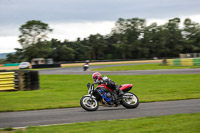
x,y
129,39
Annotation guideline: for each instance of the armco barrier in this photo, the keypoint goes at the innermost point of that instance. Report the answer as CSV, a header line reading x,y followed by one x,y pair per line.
x,y
183,62
19,80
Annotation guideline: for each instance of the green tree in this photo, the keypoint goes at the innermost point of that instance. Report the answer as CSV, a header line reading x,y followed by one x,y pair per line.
x,y
191,33
63,53
38,50
128,33
164,40
174,37
150,41
129,39
2,61
81,50
17,57
33,32
97,46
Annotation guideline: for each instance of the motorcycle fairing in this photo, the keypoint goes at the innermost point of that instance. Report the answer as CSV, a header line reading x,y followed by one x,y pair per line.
x,y
126,87
104,86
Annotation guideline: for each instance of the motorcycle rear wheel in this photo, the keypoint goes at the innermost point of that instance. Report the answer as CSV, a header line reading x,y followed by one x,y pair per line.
x,y
89,104
130,100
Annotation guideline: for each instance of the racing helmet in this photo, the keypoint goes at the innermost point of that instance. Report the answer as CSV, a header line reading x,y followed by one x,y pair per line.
x,y
96,77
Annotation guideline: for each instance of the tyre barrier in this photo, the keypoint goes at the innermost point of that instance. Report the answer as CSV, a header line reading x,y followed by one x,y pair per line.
x,y
19,80
182,62
7,81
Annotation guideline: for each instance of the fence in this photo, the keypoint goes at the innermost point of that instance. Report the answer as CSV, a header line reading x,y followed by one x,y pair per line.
x,y
12,64
19,80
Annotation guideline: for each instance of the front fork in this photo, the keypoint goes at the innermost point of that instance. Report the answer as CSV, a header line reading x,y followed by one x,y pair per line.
x,y
91,96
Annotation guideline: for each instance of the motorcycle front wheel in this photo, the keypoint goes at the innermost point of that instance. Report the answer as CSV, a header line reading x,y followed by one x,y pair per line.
x,y
89,104
130,100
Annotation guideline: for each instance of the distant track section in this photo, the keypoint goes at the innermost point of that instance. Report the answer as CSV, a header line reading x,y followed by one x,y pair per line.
x,y
79,71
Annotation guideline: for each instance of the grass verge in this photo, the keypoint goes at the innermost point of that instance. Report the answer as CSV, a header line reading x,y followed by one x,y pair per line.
x,y
60,91
180,123
142,67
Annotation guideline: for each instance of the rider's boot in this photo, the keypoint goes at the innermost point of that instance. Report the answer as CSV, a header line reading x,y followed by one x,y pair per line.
x,y
120,92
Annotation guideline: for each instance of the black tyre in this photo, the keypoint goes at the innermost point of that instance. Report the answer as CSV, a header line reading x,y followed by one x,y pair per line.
x,y
130,100
89,104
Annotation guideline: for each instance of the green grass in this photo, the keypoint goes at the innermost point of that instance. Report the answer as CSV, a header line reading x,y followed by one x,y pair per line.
x,y
7,129
142,67
180,123
59,91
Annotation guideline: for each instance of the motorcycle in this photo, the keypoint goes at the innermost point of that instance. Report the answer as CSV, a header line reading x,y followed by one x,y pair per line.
x,y
108,97
85,67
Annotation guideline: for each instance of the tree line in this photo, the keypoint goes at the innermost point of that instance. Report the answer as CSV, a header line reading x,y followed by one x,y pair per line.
x,y
128,39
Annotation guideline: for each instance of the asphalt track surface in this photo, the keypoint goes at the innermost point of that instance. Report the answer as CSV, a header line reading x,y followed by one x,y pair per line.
x,y
72,115
79,70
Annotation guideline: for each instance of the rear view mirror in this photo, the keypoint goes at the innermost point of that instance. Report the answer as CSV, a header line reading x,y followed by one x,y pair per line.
x,y
88,85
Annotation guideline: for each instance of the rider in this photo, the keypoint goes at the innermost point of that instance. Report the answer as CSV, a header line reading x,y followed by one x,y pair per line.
x,y
105,80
